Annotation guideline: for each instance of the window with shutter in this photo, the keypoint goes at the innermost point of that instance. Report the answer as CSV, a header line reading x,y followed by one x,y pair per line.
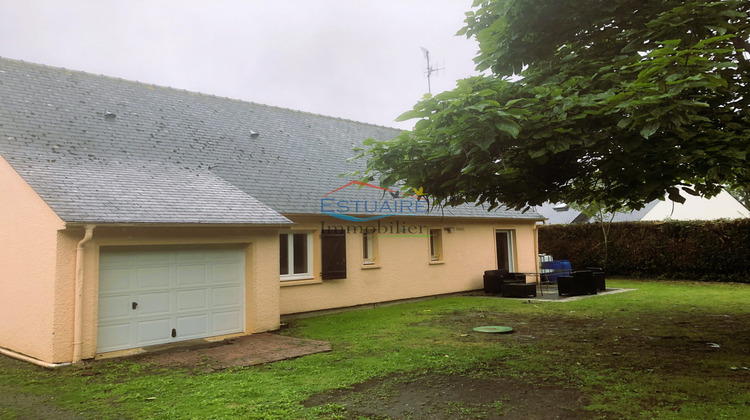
x,y
333,255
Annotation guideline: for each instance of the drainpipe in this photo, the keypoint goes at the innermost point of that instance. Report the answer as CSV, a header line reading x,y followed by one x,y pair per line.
x,y
78,303
19,356
536,251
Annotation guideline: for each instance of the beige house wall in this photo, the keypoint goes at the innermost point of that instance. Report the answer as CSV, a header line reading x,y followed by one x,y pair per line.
x,y
38,272
403,268
29,298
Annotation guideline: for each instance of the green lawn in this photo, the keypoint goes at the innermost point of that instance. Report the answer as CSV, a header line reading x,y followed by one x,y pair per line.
x,y
666,350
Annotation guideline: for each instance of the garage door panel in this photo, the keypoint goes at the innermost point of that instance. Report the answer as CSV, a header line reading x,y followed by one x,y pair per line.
x,y
227,296
151,256
227,273
154,331
197,292
154,303
191,275
153,277
192,300
114,280
192,326
226,322
226,255
197,255
117,335
115,259
114,307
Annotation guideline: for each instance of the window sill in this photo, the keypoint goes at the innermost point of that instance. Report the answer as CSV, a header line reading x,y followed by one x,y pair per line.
x,y
370,266
300,282
437,262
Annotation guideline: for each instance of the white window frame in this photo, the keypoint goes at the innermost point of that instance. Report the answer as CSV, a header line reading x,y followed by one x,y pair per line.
x,y
290,257
368,248
436,244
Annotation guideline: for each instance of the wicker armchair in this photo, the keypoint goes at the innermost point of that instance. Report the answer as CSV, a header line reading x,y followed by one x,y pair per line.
x,y
599,277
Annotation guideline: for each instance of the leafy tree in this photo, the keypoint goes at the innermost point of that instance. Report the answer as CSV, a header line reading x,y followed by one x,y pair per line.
x,y
599,214
618,102
741,193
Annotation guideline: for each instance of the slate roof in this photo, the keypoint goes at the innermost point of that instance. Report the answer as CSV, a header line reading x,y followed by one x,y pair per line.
x,y
106,150
634,215
558,213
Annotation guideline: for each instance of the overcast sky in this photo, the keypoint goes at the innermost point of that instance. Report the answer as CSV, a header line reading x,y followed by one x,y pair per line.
x,y
354,59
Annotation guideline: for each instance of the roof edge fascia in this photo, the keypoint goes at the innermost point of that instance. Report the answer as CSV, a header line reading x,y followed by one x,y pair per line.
x,y
431,216
188,225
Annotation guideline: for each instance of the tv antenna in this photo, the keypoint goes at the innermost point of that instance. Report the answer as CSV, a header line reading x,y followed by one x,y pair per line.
x,y
430,69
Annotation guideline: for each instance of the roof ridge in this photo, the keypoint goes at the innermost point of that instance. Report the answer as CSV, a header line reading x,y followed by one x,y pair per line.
x,y
204,94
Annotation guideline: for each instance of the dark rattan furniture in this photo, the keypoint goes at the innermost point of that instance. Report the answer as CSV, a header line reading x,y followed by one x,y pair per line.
x,y
495,279
579,283
520,290
599,277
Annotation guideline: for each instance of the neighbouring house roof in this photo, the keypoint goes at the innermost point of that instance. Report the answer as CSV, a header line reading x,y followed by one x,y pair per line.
x,y
107,150
632,216
561,213
694,208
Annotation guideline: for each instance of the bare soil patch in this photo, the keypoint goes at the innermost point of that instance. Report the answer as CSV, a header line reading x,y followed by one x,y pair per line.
x,y
660,344
437,397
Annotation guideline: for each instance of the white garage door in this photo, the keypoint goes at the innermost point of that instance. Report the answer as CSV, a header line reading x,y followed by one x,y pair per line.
x,y
155,295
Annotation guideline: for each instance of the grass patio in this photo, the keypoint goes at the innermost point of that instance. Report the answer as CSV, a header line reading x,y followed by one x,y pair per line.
x,y
666,350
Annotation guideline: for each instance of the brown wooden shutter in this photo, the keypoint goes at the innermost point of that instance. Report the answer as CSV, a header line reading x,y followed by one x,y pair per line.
x,y
333,255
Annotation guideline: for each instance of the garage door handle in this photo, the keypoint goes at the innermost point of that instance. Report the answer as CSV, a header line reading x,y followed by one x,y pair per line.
x,y
135,305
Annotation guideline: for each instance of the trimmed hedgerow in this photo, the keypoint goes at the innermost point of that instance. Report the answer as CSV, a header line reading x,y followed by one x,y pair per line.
x,y
694,250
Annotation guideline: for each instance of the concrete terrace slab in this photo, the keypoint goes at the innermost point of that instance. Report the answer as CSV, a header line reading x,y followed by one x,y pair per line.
x,y
240,351
550,295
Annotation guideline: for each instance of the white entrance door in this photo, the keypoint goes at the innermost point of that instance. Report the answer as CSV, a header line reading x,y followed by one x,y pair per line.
x,y
155,295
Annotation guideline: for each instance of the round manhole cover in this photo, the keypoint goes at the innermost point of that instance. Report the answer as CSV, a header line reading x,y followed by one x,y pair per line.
x,y
493,329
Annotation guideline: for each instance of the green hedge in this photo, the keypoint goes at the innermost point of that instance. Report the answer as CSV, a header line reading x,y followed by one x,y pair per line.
x,y
695,250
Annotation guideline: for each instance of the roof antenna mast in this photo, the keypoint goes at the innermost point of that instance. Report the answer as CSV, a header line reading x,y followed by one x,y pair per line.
x,y
430,69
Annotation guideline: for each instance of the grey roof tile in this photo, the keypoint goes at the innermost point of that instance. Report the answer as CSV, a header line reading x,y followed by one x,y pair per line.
x,y
633,215
559,213
100,149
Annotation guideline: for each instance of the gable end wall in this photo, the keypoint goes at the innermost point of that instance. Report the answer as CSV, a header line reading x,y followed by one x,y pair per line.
x,y
28,248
